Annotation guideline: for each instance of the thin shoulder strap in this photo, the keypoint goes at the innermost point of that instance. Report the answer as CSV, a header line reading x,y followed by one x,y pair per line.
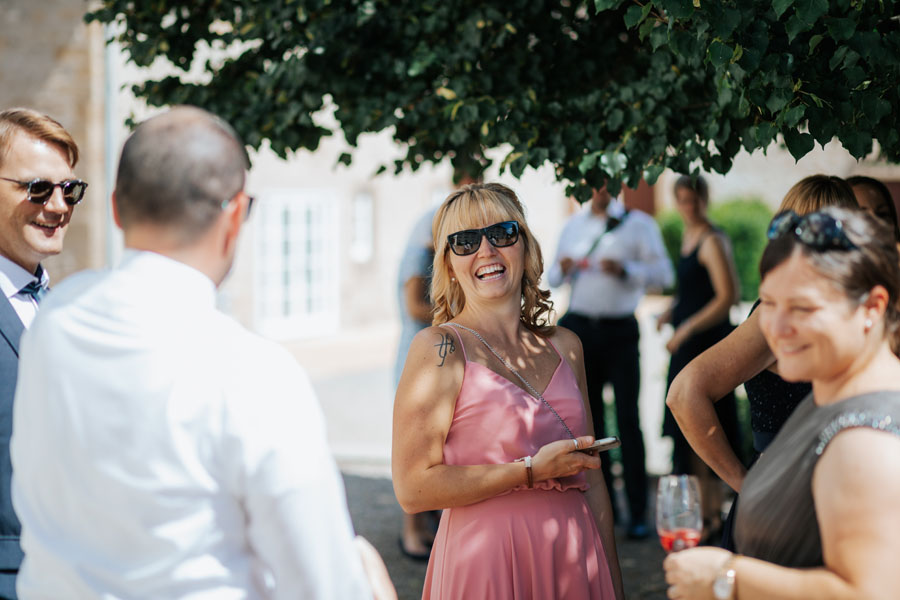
x,y
453,327
558,353
512,370
702,239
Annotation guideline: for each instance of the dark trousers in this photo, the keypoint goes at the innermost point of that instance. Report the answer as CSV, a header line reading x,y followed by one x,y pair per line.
x,y
611,355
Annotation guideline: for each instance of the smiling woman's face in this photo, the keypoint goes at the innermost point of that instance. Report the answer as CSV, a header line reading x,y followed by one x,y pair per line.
x,y
813,329
490,272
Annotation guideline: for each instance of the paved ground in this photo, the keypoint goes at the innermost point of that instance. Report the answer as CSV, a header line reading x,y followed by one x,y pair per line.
x,y
377,517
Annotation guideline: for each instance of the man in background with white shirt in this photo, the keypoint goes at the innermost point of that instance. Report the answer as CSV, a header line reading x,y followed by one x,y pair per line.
x,y
609,257
38,194
164,451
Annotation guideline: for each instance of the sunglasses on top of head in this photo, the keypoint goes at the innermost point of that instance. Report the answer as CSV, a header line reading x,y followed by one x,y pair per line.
x,y
40,190
500,235
817,230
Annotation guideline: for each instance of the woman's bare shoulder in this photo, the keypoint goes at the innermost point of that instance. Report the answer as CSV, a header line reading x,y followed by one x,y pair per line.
x,y
436,345
568,343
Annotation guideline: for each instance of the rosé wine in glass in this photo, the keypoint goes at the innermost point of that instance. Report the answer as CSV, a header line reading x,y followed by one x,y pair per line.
x,y
679,519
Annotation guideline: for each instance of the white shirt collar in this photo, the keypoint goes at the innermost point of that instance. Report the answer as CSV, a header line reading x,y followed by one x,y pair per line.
x,y
13,277
185,281
615,209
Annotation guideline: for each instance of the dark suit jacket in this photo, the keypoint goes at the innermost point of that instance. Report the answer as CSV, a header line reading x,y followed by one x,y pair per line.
x,y
11,330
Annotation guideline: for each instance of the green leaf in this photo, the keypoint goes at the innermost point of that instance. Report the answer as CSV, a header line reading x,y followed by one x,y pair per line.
x,y
857,142
613,162
614,120
779,6
841,29
652,173
794,27
777,100
658,37
634,15
511,157
809,11
793,115
815,41
646,27
445,93
838,57
601,5
875,108
719,54
764,133
589,161
798,144
677,9
727,22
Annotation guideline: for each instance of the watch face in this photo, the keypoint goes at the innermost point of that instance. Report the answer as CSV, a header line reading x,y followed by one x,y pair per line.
x,y
723,586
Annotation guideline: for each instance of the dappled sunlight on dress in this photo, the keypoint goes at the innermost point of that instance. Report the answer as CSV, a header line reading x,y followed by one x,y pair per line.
x,y
527,543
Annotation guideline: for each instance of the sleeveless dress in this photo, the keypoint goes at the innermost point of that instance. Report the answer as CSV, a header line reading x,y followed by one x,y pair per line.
x,y
695,290
539,543
777,520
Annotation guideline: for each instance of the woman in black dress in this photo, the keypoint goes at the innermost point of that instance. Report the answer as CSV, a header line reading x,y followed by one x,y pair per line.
x,y
707,288
744,357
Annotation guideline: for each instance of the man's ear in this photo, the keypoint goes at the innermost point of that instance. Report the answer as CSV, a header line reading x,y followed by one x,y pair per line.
x,y
234,220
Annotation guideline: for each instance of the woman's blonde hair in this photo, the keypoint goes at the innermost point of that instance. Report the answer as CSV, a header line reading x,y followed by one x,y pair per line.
x,y
816,192
465,209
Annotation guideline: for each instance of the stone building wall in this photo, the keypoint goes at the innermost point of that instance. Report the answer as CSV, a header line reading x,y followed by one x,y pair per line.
x,y
52,62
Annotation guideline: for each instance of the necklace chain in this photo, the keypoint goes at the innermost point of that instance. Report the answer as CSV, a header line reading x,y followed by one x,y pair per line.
x,y
505,362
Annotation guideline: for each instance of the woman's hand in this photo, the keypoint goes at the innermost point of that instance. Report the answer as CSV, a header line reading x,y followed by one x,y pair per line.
x,y
690,573
681,335
559,459
663,319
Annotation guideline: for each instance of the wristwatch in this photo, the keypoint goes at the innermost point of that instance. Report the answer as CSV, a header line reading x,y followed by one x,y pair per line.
x,y
723,585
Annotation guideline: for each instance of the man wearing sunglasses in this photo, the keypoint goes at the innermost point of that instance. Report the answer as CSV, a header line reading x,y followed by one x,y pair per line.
x,y
164,451
38,193
609,257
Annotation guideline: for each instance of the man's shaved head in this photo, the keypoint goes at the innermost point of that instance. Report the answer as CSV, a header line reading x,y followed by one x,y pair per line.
x,y
177,169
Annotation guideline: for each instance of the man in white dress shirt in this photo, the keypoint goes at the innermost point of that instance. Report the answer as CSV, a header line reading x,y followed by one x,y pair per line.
x,y
38,194
610,257
161,450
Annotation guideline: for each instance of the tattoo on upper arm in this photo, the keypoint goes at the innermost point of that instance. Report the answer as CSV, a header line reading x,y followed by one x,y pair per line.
x,y
445,347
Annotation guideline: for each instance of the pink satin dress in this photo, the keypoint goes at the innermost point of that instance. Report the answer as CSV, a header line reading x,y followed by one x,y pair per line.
x,y
539,543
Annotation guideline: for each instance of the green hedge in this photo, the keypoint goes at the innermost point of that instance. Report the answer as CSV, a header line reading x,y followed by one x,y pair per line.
x,y
744,220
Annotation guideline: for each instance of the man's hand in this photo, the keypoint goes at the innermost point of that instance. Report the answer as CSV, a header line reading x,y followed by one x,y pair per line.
x,y
612,267
376,571
566,263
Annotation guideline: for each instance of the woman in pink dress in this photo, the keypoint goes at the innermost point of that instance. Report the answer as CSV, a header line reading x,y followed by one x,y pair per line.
x,y
490,410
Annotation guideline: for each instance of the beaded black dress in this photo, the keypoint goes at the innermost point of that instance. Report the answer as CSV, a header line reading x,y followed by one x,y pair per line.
x,y
771,400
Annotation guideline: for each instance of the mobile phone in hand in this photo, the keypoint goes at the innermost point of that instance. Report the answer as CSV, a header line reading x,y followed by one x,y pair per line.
x,y
601,445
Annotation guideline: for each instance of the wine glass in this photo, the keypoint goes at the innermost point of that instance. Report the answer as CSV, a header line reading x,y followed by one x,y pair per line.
x,y
679,520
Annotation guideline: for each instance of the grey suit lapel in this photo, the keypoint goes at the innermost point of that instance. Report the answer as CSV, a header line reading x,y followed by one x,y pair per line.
x,y
11,326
